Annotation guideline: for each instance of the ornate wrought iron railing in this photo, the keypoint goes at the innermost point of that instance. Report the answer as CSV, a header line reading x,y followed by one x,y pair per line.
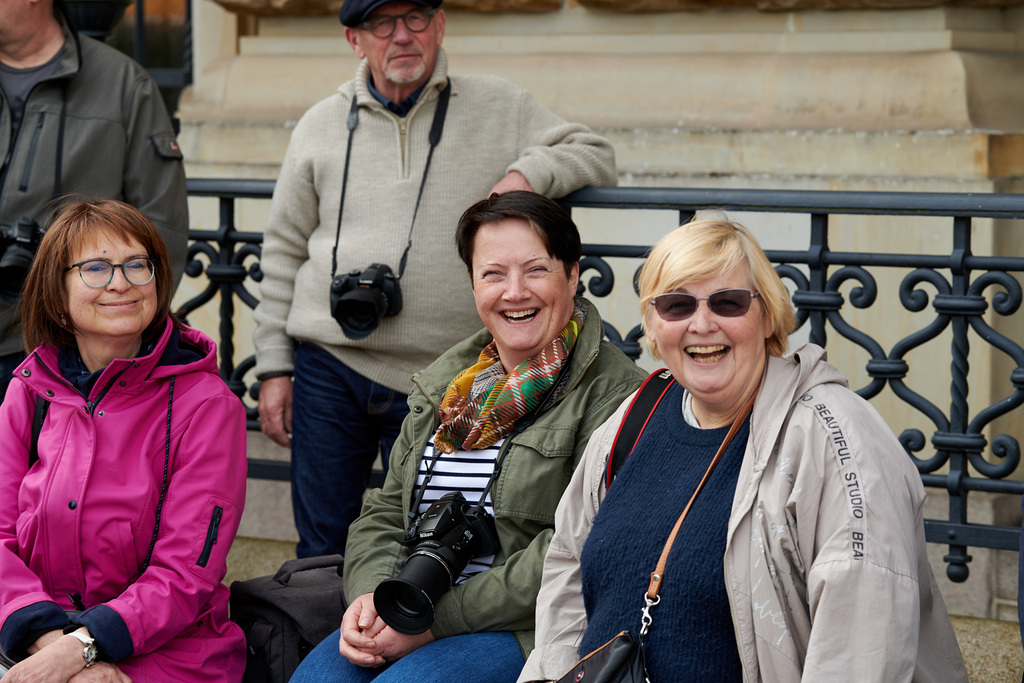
x,y
964,286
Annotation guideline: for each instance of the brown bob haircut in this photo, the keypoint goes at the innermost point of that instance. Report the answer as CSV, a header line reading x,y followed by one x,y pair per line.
x,y
546,217
76,224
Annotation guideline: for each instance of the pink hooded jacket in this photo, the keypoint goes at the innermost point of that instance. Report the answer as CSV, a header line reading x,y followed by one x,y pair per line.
x,y
76,528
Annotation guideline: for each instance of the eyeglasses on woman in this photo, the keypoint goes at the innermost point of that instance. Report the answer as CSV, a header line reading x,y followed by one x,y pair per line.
x,y
727,303
96,274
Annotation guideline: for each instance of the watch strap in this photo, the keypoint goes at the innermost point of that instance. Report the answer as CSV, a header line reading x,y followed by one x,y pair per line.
x,y
89,652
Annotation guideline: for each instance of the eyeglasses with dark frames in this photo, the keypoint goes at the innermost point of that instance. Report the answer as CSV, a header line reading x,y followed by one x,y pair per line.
x,y
415,20
727,303
96,274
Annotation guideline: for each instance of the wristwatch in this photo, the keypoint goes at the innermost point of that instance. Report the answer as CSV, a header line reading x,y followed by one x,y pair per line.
x,y
89,653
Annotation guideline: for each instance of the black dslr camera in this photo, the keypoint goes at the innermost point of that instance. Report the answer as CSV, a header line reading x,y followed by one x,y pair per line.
x,y
446,537
18,244
361,298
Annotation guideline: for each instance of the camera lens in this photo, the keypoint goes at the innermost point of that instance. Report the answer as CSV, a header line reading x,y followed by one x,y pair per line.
x,y
363,314
448,534
359,310
406,602
362,297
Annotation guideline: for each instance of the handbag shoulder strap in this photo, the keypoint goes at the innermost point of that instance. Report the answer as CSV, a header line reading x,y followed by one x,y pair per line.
x,y
658,575
646,400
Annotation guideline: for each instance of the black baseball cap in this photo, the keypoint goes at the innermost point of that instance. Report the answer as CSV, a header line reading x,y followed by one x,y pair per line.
x,y
355,12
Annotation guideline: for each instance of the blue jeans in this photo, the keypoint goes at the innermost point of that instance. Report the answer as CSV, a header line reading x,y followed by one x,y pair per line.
x,y
340,422
7,365
488,657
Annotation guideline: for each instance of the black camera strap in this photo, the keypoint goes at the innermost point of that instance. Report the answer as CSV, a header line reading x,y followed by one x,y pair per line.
x,y
436,128
417,496
353,121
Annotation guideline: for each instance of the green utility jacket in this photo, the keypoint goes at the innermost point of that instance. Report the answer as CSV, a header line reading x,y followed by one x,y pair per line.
x,y
533,476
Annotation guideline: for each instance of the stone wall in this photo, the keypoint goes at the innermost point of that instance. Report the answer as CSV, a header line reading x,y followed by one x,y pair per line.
x,y
906,100
271,8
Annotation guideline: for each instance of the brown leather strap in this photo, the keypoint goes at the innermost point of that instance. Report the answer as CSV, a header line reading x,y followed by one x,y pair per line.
x,y
658,575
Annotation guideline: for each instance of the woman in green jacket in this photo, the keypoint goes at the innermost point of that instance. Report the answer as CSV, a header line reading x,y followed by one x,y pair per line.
x,y
499,421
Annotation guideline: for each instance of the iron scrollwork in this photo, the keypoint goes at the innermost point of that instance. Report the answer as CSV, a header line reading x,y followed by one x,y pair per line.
x,y
962,459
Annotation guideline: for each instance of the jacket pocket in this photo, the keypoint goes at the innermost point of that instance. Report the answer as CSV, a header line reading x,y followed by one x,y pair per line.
x,y
534,474
212,529
166,147
130,563
211,535
32,150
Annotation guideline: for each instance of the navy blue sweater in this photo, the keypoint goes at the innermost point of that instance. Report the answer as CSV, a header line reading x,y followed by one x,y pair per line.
x,y
692,635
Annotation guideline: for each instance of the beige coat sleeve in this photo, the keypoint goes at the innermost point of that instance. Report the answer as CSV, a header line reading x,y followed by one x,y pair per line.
x,y
561,617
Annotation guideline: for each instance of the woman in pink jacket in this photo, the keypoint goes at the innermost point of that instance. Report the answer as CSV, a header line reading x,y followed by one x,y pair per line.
x,y
115,521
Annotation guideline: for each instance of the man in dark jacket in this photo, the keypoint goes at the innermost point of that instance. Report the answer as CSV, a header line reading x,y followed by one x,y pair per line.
x,y
76,117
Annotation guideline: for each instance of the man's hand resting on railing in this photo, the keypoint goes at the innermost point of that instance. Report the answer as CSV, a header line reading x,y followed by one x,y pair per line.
x,y
275,408
513,181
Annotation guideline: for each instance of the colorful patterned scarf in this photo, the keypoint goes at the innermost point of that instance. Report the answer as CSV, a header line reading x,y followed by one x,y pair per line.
x,y
482,403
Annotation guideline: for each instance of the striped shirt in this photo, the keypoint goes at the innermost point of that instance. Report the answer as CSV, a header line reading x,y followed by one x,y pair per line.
x,y
466,472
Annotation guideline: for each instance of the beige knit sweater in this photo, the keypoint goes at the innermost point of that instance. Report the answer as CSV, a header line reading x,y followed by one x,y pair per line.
x,y
492,127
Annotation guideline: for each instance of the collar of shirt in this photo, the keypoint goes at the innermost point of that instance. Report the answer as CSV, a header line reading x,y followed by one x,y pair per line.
x,y
74,370
400,109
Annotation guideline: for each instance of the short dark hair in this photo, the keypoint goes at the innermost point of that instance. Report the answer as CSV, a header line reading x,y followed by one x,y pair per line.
x,y
551,222
44,294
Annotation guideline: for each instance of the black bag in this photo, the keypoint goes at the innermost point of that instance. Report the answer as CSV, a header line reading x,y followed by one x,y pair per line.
x,y
620,660
286,615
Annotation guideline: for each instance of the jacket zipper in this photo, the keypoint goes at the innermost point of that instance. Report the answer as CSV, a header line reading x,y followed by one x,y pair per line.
x,y
5,169
33,146
211,536
57,377
726,575
735,623
13,145
92,404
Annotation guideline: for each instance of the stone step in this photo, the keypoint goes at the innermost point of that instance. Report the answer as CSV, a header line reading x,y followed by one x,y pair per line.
x,y
252,557
991,648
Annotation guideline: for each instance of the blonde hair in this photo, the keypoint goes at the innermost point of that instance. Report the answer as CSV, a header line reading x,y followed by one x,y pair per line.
x,y
704,249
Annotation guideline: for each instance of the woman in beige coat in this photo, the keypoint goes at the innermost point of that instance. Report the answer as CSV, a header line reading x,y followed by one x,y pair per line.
x,y
803,558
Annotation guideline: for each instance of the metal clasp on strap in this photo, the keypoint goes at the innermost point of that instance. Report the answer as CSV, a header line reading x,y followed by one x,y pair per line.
x,y
645,618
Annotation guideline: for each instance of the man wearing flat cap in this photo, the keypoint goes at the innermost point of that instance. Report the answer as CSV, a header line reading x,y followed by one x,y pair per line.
x,y
362,285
